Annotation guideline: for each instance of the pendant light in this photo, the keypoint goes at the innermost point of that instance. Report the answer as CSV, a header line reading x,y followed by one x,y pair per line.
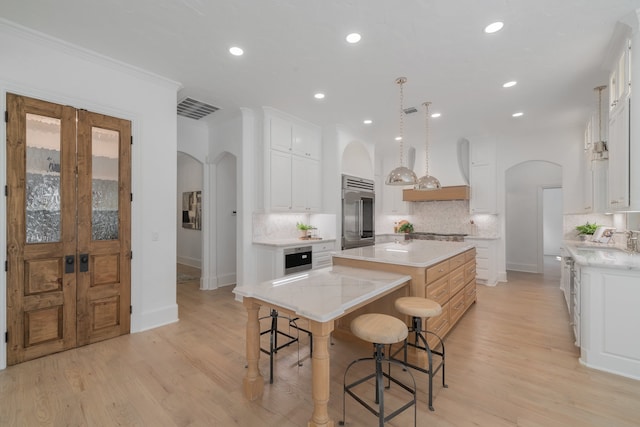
x,y
401,175
427,182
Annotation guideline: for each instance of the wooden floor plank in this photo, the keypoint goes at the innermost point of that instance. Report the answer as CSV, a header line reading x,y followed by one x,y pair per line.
x,y
510,362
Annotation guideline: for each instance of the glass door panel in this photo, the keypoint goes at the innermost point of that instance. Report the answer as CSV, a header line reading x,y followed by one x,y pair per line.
x,y
105,148
43,146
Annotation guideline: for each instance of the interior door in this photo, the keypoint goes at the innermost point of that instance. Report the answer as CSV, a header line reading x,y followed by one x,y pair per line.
x,y
68,227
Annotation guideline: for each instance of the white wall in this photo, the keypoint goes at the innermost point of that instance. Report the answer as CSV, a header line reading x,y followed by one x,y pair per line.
x,y
226,219
523,212
188,241
552,221
40,67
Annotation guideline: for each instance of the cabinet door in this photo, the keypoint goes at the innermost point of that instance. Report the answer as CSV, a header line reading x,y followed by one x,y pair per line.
x,y
306,141
482,178
280,134
392,203
280,185
305,184
619,156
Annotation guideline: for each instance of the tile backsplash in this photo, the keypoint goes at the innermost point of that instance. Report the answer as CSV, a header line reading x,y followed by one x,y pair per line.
x,y
442,217
283,226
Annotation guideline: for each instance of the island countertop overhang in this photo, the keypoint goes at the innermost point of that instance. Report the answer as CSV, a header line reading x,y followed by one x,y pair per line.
x,y
411,253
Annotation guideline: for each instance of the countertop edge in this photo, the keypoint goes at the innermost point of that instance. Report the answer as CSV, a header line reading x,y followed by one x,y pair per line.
x,y
282,243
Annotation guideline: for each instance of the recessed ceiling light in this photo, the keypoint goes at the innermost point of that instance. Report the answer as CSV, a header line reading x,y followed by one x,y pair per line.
x,y
518,114
493,27
236,51
319,95
354,38
367,121
512,83
436,115
398,138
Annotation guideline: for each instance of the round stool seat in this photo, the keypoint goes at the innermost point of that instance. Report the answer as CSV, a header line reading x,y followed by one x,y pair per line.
x,y
418,307
379,328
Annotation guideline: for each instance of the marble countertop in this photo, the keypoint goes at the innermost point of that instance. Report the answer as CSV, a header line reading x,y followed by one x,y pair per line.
x,y
291,242
602,255
326,293
469,237
412,253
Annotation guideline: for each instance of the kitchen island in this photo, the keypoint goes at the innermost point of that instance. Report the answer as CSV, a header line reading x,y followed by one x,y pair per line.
x,y
442,271
320,296
603,303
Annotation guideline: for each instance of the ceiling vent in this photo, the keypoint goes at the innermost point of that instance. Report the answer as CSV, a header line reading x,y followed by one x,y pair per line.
x,y
410,110
195,109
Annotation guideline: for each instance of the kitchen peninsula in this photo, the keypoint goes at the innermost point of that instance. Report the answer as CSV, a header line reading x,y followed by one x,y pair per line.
x,y
603,304
442,271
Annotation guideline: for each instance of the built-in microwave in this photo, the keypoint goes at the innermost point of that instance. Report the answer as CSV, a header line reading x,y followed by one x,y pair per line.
x,y
297,259
358,212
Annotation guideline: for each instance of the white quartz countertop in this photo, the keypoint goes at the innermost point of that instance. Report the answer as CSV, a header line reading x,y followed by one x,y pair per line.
x,y
326,293
413,253
602,255
481,238
290,242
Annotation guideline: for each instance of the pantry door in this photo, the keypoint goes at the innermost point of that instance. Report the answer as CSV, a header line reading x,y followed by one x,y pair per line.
x,y
68,227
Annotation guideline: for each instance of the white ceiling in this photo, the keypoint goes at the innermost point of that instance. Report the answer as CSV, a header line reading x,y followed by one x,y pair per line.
x,y
293,48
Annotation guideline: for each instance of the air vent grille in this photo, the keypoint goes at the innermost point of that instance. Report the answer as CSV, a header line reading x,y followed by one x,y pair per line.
x,y
195,109
349,182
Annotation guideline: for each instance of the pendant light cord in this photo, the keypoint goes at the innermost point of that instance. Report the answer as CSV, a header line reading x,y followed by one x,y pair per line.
x,y
401,81
426,132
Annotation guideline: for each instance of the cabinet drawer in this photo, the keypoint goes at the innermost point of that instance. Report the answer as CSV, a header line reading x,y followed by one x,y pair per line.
x,y
469,271
456,281
482,253
457,261
470,255
439,325
322,247
456,307
439,290
469,294
437,271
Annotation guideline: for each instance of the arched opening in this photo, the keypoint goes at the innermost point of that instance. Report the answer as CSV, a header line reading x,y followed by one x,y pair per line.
x,y
533,215
356,160
189,240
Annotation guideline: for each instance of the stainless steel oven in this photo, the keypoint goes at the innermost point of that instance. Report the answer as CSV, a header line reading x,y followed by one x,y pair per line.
x,y
358,212
297,259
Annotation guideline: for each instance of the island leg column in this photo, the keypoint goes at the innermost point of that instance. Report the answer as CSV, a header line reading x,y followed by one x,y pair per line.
x,y
253,383
320,374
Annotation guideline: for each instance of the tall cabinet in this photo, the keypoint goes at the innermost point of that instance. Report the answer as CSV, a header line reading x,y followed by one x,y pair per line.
x,y
293,173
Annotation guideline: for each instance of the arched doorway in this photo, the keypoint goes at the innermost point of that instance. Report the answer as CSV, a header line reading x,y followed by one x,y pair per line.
x,y
527,217
189,229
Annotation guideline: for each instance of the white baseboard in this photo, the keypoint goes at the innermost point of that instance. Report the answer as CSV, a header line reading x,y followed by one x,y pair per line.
x,y
191,262
154,319
525,268
227,279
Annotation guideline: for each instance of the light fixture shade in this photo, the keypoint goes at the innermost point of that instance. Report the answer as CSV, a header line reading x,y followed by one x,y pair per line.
x,y
428,182
401,176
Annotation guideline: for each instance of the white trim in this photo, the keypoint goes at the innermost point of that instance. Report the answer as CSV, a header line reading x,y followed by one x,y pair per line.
x,y
191,262
156,318
86,54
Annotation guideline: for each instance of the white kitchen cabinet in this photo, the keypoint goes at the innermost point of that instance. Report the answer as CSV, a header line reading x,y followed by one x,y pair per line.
x,y
392,203
486,259
321,255
293,169
292,135
482,177
306,185
619,156
610,319
620,77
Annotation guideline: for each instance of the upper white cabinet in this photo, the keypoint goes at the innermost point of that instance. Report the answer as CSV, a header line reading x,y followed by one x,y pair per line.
x,y
620,77
482,177
619,156
293,172
392,203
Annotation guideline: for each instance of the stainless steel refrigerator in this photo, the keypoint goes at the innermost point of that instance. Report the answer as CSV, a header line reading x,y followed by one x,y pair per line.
x,y
358,212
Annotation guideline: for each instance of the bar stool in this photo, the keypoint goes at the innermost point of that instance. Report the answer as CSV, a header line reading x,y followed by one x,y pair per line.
x,y
418,308
274,332
381,330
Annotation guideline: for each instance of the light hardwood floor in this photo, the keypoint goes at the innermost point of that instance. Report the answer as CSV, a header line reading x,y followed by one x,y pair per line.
x,y
510,362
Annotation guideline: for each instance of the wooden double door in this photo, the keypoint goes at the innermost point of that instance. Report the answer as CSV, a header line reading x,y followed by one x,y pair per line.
x,y
68,227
